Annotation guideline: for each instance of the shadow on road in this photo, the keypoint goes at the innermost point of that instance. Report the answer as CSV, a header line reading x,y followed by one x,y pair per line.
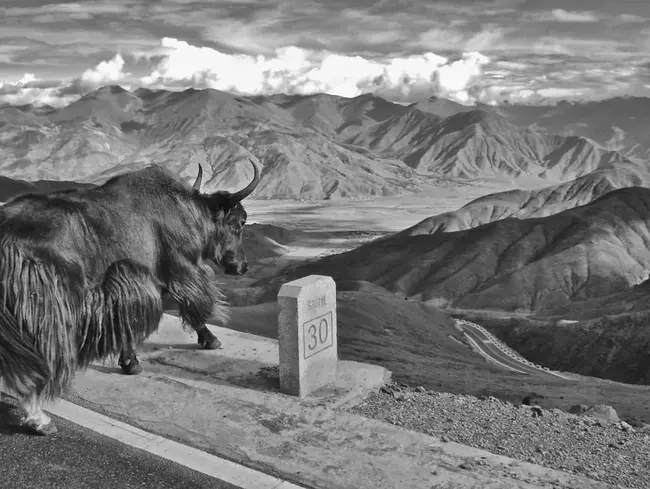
x,y
105,369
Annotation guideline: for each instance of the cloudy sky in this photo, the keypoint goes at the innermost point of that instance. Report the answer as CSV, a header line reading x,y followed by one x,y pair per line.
x,y
534,51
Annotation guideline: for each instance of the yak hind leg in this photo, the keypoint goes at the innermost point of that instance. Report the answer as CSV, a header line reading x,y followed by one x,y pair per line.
x,y
36,419
129,300
129,362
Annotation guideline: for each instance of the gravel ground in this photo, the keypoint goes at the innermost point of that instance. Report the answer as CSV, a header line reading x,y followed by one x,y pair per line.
x,y
615,453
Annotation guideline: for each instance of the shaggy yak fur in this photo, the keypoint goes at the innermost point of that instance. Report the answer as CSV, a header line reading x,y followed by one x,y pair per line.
x,y
82,274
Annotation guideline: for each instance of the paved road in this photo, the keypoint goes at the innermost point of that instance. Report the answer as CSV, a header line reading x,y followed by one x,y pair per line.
x,y
487,345
78,458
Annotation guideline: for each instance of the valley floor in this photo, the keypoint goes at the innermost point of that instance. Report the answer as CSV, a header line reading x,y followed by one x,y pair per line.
x,y
387,214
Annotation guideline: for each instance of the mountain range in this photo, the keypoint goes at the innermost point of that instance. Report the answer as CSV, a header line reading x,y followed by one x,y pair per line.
x,y
617,123
310,147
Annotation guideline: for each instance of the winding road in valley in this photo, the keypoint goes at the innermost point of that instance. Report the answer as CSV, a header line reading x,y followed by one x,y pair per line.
x,y
497,352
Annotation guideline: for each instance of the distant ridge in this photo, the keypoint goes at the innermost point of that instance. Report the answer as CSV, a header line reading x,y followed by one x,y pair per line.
x,y
112,130
441,107
311,147
479,144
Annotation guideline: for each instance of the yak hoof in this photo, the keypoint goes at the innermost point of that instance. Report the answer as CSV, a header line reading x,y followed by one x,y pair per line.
x,y
133,367
208,341
213,344
40,429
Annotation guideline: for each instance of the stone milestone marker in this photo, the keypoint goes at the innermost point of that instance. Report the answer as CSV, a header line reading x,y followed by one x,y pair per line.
x,y
307,334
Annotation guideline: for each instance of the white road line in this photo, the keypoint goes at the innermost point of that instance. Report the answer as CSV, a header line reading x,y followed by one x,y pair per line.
x,y
195,459
490,357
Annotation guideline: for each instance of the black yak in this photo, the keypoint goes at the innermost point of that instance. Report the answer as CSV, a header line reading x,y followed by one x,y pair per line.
x,y
82,274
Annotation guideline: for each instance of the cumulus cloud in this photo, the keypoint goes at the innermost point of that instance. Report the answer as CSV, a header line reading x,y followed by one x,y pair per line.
x,y
294,70
25,79
30,90
468,79
105,73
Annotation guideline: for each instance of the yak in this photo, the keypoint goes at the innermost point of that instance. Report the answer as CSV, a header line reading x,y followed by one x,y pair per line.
x,y
83,273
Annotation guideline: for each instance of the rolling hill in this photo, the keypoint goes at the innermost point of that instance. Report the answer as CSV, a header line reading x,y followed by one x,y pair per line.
x,y
523,204
520,265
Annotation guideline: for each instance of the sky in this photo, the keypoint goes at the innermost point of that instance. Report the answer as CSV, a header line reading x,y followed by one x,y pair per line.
x,y
469,51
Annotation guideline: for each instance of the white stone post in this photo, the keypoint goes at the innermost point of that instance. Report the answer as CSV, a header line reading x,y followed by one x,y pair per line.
x,y
307,334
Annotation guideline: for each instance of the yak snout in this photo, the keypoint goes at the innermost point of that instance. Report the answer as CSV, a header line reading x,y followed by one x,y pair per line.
x,y
234,263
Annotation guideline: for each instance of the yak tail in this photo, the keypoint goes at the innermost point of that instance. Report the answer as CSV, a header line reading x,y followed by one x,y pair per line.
x,y
22,368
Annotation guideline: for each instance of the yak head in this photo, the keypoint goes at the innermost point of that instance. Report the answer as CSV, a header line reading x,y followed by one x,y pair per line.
x,y
228,217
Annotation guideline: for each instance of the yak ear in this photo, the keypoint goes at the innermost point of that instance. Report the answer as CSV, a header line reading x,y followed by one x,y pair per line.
x,y
197,183
240,195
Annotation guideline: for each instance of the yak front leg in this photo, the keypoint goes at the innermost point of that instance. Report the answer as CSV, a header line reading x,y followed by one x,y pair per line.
x,y
207,339
194,289
128,361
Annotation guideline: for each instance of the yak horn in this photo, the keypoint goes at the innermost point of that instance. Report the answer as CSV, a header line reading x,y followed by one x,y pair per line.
x,y
197,182
245,192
